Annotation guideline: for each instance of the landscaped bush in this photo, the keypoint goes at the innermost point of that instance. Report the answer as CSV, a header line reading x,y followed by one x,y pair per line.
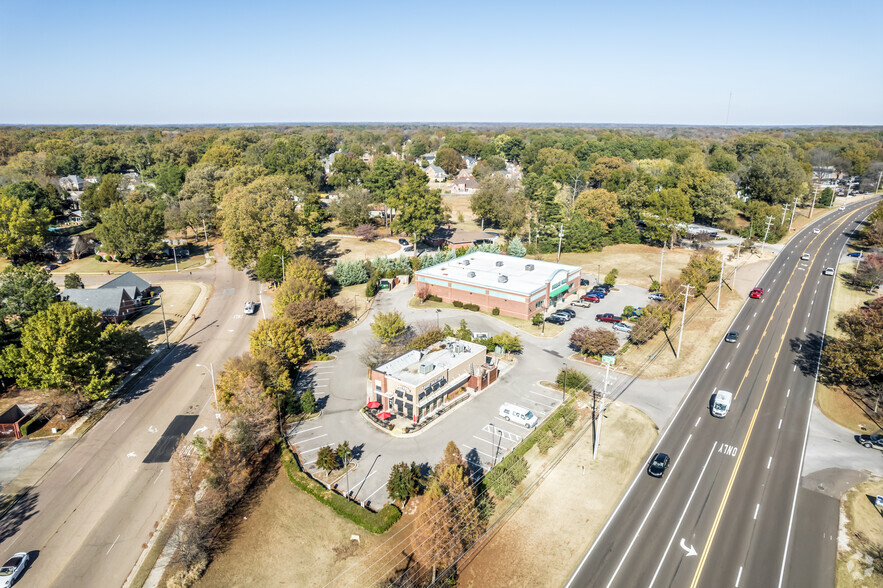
x,y
372,286
433,298
576,380
472,307
546,442
507,474
458,304
495,311
376,522
33,423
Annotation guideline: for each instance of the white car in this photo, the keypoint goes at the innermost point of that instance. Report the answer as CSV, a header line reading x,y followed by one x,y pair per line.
x,y
249,307
829,271
842,208
805,257
13,569
816,231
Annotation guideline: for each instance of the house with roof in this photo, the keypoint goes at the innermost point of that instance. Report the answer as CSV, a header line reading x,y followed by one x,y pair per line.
x,y
435,173
469,161
114,304
72,183
135,286
459,238
464,185
430,157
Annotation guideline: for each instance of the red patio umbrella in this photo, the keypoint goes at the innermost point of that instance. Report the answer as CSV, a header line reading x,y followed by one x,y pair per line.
x,y
384,415
374,404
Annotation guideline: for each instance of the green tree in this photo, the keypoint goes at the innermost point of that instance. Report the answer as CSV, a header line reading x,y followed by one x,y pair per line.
x,y
610,278
327,459
348,273
599,205
856,359
124,346
352,208
168,177
388,326
509,342
418,209
665,212
36,195
773,176
21,227
24,291
537,319
98,197
576,380
308,404
714,198
826,198
72,281
318,314
269,265
404,482
515,248
61,349
449,160
131,229
347,170
382,179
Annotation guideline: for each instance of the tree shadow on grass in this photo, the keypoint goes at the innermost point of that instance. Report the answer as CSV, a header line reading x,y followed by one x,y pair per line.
x,y
326,252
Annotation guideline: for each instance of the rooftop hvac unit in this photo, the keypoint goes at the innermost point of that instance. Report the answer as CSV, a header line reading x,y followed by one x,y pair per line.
x,y
529,267
470,275
503,279
425,368
500,263
465,262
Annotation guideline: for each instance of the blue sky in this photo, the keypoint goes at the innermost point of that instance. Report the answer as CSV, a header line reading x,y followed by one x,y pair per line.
x,y
785,63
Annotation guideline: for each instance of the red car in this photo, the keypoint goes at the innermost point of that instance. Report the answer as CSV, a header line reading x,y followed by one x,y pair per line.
x,y
590,298
756,293
607,317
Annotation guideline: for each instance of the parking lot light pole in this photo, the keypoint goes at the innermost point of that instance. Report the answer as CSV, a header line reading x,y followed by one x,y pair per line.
x,y
437,312
211,369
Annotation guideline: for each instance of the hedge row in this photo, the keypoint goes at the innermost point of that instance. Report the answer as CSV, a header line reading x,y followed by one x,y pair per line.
x,y
467,306
25,428
376,522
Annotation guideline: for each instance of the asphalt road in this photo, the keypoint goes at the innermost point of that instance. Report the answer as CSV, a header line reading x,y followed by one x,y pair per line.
x,y
724,513
92,512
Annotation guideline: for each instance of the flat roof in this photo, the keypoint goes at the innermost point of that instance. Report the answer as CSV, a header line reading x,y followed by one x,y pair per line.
x,y
484,266
405,367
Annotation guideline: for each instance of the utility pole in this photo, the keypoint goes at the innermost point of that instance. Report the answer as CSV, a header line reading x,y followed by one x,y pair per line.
x,y
720,285
815,192
661,257
560,237
683,316
175,255
784,212
793,210
564,393
205,234
769,221
282,257
600,412
879,177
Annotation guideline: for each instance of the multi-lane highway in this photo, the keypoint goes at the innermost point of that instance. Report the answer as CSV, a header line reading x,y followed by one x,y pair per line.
x,y
723,514
89,516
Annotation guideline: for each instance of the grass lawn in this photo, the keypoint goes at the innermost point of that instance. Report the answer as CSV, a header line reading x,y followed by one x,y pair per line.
x,y
860,543
178,298
460,205
549,330
840,404
331,249
89,265
637,264
352,299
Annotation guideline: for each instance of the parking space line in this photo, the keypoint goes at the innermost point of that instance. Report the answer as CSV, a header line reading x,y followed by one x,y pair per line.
x,y
305,430
543,395
476,450
511,436
381,487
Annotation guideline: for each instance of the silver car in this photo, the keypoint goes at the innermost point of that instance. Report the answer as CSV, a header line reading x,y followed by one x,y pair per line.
x,y
622,327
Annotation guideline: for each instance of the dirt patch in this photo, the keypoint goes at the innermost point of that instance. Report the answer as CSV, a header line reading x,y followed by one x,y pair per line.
x,y
637,264
331,249
860,545
353,300
546,538
177,298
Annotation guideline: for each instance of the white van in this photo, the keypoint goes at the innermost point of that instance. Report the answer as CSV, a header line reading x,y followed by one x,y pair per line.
x,y
517,414
721,405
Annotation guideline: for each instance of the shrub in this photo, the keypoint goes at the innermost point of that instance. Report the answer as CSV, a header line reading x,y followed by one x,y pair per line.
x,y
472,307
576,380
495,311
537,319
545,442
654,286
568,415
348,273
372,286
610,278
628,311
558,428
99,258
433,298
507,474
308,402
376,522
458,304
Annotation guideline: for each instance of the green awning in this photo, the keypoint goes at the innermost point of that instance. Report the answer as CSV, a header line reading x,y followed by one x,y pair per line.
x,y
562,288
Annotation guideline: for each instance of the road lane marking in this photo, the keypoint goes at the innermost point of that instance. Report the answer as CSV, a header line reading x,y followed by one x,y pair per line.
x,y
299,441
755,314
120,425
112,544
769,462
780,423
697,423
739,577
804,329
76,472
737,344
756,508
157,477
646,516
382,486
730,450
748,327
727,366
477,450
677,526
795,369
788,393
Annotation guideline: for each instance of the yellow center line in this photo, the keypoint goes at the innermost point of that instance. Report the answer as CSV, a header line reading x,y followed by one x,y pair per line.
x,y
720,510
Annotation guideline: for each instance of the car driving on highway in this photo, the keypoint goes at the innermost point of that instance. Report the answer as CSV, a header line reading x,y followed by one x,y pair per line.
x,y
13,569
805,257
732,337
249,307
658,465
756,293
829,271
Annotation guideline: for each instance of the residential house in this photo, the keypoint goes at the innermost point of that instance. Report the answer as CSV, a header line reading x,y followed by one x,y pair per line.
x,y
470,162
435,173
464,186
135,286
458,238
72,183
430,157
114,304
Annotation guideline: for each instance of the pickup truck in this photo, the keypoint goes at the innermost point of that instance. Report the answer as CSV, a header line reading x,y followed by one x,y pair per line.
x,y
607,317
582,303
871,441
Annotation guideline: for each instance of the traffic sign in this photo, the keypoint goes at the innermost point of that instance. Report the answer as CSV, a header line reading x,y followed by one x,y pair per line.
x,y
611,359
879,502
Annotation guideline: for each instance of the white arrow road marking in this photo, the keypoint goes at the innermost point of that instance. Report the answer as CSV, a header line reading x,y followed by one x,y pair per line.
x,y
200,430
130,454
690,551
152,429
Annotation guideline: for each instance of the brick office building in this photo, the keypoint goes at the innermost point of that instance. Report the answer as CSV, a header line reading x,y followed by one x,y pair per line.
x,y
419,383
519,287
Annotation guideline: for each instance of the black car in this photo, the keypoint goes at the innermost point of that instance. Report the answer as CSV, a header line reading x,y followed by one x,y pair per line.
x,y
605,287
871,441
571,313
658,465
555,320
584,281
732,337
403,242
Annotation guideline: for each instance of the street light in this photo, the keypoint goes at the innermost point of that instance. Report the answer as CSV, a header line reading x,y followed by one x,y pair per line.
x,y
211,369
283,264
437,312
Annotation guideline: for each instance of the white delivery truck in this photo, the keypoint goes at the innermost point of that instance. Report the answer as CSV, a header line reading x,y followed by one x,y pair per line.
x,y
517,414
721,403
